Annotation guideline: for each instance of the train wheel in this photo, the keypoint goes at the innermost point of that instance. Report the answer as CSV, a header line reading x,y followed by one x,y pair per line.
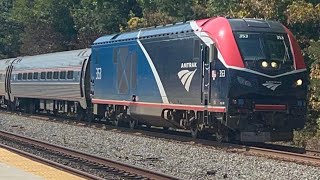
x,y
115,122
226,136
11,106
220,137
26,107
80,114
132,123
89,117
32,108
55,112
194,132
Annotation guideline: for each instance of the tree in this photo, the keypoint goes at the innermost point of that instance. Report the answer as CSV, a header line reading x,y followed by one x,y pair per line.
x,y
304,20
48,26
94,18
161,12
222,8
9,31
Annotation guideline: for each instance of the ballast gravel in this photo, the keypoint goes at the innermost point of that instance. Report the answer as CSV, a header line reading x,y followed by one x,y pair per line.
x,y
183,160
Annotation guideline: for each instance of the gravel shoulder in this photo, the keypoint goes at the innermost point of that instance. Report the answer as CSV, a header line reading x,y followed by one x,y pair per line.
x,y
183,160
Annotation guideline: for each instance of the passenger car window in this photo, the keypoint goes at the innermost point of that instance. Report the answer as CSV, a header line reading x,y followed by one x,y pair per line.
x,y
24,76
62,75
43,75
35,75
56,75
70,75
49,75
19,76
30,76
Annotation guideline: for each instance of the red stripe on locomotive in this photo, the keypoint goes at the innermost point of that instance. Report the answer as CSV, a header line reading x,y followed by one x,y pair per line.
x,y
220,32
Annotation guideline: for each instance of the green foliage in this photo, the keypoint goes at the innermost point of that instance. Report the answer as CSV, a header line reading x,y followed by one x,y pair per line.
x,y
222,8
9,31
161,12
48,25
94,18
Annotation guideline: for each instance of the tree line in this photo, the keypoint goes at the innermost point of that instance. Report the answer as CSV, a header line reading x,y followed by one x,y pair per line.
x,y
30,27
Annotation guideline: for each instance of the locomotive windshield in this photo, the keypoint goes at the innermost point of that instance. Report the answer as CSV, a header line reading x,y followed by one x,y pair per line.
x,y
264,46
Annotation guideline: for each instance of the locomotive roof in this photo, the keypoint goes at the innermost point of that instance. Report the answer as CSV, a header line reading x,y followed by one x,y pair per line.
x,y
256,25
146,32
245,24
52,60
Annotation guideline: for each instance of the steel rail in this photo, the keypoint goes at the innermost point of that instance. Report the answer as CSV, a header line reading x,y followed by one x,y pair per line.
x,y
289,156
313,153
306,157
51,163
149,174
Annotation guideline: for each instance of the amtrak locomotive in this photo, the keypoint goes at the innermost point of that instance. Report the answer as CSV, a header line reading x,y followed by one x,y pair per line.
x,y
240,79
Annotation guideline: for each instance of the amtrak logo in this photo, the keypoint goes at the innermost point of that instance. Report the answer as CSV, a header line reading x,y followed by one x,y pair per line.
x,y
189,65
272,84
186,77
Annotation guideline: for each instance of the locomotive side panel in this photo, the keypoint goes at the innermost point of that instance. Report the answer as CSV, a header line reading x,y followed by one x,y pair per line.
x,y
121,71
177,61
122,75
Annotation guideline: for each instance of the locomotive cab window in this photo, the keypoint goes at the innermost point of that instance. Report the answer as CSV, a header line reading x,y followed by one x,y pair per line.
x,y
196,49
264,46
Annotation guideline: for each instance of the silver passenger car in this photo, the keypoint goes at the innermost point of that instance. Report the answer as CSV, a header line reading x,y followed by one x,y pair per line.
x,y
4,68
50,81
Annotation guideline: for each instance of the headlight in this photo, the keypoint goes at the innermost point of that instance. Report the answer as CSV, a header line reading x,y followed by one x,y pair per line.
x,y
274,65
299,82
264,64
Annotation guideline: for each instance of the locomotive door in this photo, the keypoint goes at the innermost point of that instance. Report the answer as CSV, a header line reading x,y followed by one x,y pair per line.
x,y
205,80
208,58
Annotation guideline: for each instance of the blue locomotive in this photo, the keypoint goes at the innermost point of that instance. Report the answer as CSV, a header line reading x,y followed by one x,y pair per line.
x,y
241,79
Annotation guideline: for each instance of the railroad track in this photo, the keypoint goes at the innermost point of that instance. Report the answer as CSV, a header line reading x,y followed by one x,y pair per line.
x,y
77,161
287,156
313,153
287,153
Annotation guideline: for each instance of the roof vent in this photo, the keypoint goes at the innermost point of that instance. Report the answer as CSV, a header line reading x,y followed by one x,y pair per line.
x,y
257,23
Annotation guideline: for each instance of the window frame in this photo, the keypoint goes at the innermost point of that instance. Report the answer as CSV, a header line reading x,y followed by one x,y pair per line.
x,y
49,74
35,76
19,75
62,73
72,75
55,75
45,75
30,76
24,76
